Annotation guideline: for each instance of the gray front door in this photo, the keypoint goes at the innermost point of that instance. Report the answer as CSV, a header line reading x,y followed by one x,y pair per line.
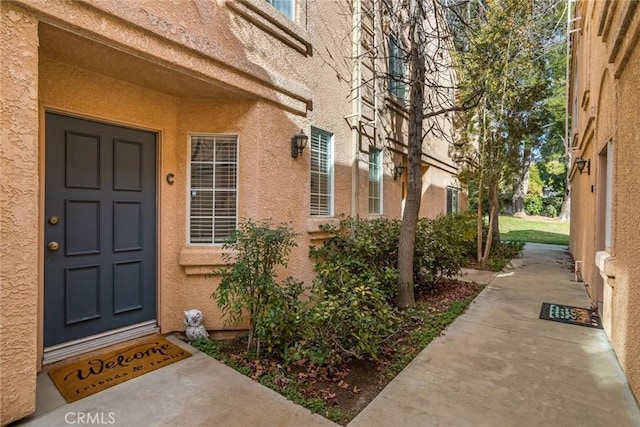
x,y
100,228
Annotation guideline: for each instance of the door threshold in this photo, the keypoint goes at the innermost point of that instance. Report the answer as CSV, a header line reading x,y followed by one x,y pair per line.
x,y
62,351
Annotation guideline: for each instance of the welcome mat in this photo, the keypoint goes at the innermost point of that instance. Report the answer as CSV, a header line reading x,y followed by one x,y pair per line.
x,y
96,373
568,314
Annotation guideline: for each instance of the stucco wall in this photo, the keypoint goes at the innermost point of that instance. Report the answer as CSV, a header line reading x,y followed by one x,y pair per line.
x,y
202,67
625,301
18,212
434,192
266,188
605,84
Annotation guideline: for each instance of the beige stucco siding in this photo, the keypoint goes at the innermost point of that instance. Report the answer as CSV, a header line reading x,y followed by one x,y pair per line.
x,y
626,292
266,189
19,190
234,67
605,83
434,192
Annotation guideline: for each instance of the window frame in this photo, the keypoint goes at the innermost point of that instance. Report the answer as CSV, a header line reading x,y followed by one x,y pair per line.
x,y
293,8
451,192
189,189
330,161
380,180
397,68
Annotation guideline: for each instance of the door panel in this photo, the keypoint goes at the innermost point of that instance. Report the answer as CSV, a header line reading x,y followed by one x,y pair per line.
x,y
100,231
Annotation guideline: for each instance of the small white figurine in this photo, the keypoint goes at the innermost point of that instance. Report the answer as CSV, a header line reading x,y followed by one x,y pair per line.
x,y
195,328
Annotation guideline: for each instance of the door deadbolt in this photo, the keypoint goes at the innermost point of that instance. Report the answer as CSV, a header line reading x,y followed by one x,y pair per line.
x,y
53,220
53,246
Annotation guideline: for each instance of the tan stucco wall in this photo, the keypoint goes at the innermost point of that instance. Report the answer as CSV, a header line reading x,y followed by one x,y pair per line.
x,y
605,87
18,212
434,192
625,301
174,71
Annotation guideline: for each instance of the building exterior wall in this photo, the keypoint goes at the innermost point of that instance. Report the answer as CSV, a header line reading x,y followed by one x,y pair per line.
x,y
605,80
225,67
18,212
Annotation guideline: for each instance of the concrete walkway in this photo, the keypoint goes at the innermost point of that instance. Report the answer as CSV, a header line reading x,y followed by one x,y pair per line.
x,y
499,365
197,391
496,365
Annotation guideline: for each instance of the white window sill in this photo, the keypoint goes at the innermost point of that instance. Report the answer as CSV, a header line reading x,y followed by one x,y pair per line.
x,y
607,266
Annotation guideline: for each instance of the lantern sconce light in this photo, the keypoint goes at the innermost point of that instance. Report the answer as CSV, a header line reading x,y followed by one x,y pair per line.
x,y
397,171
298,142
581,163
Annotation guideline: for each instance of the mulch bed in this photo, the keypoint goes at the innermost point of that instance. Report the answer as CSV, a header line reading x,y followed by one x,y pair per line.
x,y
351,386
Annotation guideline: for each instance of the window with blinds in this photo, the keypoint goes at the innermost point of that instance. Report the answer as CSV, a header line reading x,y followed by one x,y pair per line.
x,y
287,7
397,68
321,173
213,188
375,181
452,200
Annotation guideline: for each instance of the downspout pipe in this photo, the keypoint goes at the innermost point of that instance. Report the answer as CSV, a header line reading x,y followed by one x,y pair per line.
x,y
355,107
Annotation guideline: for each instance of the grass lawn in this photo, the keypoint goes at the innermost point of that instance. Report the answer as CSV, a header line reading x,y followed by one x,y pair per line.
x,y
534,230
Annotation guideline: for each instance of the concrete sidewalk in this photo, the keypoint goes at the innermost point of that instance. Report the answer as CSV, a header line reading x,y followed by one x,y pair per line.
x,y
499,365
197,391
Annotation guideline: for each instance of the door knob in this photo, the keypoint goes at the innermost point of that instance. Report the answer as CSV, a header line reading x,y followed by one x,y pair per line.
x,y
53,246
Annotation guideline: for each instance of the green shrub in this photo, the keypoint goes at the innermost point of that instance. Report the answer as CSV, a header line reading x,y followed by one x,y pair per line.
x,y
351,310
533,204
365,250
502,253
551,206
250,286
550,211
442,246
347,319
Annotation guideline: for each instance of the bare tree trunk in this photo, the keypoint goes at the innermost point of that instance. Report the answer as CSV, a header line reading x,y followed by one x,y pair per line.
x,y
496,217
406,249
493,211
479,221
480,225
521,187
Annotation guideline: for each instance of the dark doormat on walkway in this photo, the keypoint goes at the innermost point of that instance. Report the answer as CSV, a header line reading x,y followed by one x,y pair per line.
x,y
568,314
96,373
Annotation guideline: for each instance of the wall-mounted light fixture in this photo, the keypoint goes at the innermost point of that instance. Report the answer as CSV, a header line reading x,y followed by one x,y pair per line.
x,y
298,142
581,163
397,171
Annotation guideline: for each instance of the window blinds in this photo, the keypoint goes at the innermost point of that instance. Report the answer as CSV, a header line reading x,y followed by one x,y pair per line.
x,y
213,188
321,173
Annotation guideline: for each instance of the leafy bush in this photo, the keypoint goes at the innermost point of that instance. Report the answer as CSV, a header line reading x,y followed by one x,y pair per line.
x,y
442,246
366,250
347,319
551,206
550,211
351,309
250,286
502,253
533,204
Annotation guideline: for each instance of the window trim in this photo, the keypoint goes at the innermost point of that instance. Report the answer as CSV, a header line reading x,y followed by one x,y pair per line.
x,y
450,190
331,172
188,187
394,79
293,9
380,181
